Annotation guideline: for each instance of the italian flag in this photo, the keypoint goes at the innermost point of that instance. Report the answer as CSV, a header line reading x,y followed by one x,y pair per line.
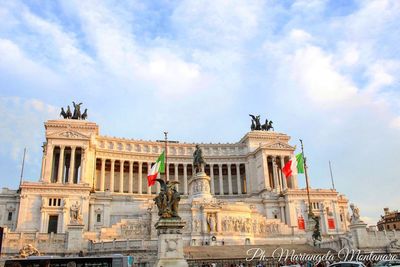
x,y
157,168
294,166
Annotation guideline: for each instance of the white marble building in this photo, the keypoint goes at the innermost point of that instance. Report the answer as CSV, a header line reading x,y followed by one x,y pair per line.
x,y
100,182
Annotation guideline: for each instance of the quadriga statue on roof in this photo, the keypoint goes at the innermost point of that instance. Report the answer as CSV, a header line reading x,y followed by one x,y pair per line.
x,y
77,115
256,125
168,199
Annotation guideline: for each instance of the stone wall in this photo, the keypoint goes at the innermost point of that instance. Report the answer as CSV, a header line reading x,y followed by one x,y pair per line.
x,y
51,243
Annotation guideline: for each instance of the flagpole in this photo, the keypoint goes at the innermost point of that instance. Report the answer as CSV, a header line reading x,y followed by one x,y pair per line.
x,y
330,169
22,168
166,155
310,213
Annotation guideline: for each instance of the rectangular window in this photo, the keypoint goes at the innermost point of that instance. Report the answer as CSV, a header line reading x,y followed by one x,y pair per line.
x,y
59,202
9,216
53,223
49,202
54,202
98,218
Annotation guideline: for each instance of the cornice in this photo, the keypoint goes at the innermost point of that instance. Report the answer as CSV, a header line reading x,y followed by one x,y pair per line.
x,y
69,123
265,135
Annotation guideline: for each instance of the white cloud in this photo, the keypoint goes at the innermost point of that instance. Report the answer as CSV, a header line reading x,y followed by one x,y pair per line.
x,y
395,123
217,24
14,61
21,120
314,72
300,35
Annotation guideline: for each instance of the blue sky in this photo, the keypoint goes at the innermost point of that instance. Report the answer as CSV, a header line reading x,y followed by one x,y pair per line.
x,y
324,71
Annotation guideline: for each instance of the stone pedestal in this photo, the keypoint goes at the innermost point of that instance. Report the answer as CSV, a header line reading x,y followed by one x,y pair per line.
x,y
199,186
359,234
75,242
170,243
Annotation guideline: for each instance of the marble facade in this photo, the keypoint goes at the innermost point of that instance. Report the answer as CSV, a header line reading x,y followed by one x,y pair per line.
x,y
100,182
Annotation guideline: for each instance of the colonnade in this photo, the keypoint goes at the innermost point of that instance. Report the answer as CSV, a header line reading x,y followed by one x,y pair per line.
x,y
68,163
130,176
276,179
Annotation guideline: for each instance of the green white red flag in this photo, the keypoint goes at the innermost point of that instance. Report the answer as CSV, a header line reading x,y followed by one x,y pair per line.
x,y
294,166
158,167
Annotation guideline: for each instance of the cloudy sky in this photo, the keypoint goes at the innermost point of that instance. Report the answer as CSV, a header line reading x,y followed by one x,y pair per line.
x,y
324,71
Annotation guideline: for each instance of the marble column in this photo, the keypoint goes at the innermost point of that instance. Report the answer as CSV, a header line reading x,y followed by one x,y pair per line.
x,y
48,164
284,181
278,171
71,173
247,173
140,177
121,176
266,175
148,171
130,181
102,174
212,178
185,180
83,165
274,174
229,179
112,176
167,171
176,175
239,182
221,184
61,165
335,216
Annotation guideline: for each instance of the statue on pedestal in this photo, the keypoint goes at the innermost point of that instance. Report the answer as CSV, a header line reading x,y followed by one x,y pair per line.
x,y
168,199
355,217
75,214
198,160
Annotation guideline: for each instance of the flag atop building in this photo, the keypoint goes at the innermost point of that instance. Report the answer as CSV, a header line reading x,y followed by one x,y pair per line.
x,y
294,166
158,167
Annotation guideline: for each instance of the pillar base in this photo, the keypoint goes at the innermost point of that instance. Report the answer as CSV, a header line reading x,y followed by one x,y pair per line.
x,y
199,186
75,242
170,243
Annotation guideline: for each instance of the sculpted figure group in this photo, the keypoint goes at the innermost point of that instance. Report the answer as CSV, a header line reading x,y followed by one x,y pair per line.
x,y
257,126
247,225
77,115
168,199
